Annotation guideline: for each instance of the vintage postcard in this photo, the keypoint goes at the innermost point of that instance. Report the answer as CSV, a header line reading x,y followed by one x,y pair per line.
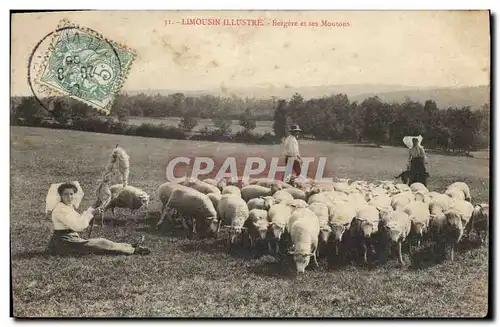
x,y
325,164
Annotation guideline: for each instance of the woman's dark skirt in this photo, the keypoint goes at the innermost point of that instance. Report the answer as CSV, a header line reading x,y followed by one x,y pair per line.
x,y
417,171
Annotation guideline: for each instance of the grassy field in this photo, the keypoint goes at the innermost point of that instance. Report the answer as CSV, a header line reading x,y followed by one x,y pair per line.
x,y
192,278
262,126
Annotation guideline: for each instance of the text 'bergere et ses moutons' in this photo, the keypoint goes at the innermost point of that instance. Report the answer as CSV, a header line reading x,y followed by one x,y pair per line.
x,y
259,22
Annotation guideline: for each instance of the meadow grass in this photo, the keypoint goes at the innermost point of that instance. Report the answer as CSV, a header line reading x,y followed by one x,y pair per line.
x,y
199,278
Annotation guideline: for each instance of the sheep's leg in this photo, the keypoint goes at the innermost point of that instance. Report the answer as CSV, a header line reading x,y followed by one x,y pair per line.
x,y
400,254
315,260
269,247
452,251
164,214
365,252
218,228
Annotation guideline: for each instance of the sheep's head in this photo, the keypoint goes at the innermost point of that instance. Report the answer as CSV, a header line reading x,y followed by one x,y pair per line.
x,y
454,225
367,229
338,231
313,190
212,223
418,228
221,184
481,213
275,231
268,202
235,234
301,260
324,234
275,188
144,200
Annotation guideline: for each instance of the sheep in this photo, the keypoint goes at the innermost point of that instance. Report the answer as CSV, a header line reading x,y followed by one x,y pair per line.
x,y
297,193
215,198
238,181
341,187
194,205
200,186
448,230
304,229
256,225
414,187
129,197
322,212
267,182
211,181
319,197
479,221
297,203
340,218
254,191
263,203
419,214
456,187
281,196
164,190
380,201
396,227
233,212
278,216
231,189
401,200
364,226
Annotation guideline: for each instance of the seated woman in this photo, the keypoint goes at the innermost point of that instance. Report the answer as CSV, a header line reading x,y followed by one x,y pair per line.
x,y
417,164
67,222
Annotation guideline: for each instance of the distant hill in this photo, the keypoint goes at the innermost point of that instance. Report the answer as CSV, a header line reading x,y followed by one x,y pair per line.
x,y
474,96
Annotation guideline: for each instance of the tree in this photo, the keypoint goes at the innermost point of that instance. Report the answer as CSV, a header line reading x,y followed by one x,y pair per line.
x,y
123,114
280,119
188,122
377,118
247,121
29,110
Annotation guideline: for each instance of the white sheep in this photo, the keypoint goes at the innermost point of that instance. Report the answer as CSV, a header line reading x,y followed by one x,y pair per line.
x,y
402,187
211,181
417,186
268,182
129,197
254,191
200,186
164,190
322,212
380,201
297,193
456,188
340,218
297,203
215,198
395,227
479,221
304,231
281,196
231,189
263,203
401,200
257,225
456,218
195,206
419,214
364,225
278,216
233,212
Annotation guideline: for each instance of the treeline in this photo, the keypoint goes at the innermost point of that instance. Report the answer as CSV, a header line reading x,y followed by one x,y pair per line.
x,y
327,118
336,118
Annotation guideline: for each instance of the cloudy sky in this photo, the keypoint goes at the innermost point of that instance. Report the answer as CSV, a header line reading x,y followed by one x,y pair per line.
x,y
419,48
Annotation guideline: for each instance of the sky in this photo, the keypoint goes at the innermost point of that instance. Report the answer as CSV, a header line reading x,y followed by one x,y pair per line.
x,y
413,48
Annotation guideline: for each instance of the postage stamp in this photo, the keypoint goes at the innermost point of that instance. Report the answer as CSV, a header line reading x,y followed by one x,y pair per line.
x,y
84,65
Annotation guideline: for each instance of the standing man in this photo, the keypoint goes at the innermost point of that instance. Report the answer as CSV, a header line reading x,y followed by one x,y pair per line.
x,y
291,152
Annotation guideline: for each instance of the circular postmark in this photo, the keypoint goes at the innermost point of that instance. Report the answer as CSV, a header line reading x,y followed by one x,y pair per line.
x,y
78,63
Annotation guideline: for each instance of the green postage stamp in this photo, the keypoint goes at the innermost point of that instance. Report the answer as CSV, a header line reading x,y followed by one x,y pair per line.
x,y
84,65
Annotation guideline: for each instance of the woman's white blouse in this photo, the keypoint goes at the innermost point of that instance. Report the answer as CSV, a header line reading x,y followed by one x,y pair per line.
x,y
65,217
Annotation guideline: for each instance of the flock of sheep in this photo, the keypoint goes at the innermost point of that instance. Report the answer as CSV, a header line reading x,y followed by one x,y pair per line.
x,y
308,217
